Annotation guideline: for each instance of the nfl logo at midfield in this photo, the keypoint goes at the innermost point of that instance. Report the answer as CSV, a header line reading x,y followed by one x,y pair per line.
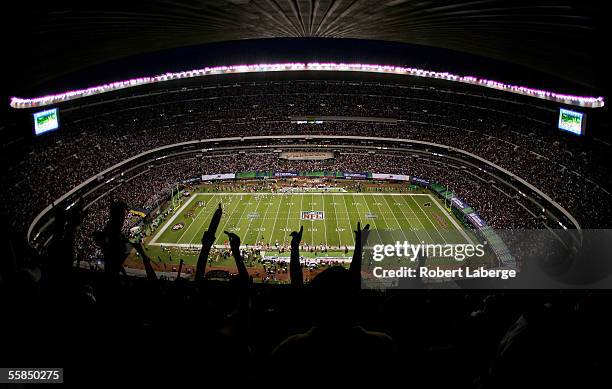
x,y
313,215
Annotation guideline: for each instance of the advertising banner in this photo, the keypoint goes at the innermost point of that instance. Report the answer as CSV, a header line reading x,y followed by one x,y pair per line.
x,y
396,177
285,174
306,155
458,203
225,176
420,181
189,181
355,176
476,220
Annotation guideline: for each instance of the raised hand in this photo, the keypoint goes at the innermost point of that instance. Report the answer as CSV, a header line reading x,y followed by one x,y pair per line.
x,y
117,217
234,242
61,246
242,317
361,237
243,274
140,250
208,239
296,238
76,214
146,261
295,270
111,240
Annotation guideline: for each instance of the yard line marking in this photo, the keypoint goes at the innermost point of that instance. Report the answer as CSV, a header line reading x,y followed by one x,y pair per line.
x,y
246,233
452,220
212,211
311,221
373,219
190,225
230,218
287,221
274,225
264,218
419,220
195,221
416,230
165,227
325,221
342,217
241,221
337,224
430,221
385,220
308,193
301,210
397,221
350,227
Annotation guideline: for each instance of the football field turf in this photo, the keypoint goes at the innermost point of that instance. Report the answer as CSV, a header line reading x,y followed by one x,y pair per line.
x,y
328,218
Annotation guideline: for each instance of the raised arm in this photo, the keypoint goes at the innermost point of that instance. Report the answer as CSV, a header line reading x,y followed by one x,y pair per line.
x,y
62,243
111,240
361,237
208,239
243,274
242,316
151,276
295,270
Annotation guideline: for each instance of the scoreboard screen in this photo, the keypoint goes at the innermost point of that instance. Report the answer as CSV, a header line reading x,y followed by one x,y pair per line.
x,y
45,121
572,121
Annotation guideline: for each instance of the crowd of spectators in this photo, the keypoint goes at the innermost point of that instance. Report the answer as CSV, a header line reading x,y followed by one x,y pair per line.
x,y
510,133
146,190
156,329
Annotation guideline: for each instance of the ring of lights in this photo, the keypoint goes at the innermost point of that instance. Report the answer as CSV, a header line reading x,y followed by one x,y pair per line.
x,y
581,101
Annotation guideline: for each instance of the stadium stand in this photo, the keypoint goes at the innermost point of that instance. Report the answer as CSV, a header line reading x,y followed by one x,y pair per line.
x,y
507,131
160,224
477,337
149,189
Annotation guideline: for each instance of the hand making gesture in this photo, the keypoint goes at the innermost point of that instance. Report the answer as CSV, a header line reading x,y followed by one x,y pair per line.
x,y
295,270
243,274
361,237
208,239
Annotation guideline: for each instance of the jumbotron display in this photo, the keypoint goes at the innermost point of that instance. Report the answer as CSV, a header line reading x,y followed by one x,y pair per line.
x,y
46,121
572,121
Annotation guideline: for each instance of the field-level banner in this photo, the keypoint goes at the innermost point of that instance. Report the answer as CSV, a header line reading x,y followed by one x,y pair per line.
x,y
438,188
306,155
393,177
254,174
324,173
476,220
461,205
420,181
355,176
285,174
138,211
191,180
225,176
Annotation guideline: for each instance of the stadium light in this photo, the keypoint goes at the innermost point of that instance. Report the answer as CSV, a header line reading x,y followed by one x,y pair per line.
x,y
581,101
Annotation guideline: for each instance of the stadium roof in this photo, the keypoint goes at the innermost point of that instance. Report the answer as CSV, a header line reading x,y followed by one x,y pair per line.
x,y
41,101
558,37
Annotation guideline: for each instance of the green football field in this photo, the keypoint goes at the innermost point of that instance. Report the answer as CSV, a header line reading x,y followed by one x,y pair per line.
x,y
328,219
